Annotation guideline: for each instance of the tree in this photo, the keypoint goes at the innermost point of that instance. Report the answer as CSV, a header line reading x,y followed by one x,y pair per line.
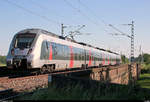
x,y
146,58
124,59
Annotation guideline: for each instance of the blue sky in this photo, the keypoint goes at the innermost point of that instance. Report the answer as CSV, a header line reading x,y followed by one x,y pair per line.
x,y
49,14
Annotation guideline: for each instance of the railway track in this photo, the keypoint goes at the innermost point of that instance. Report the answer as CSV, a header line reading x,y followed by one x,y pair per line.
x,y
10,73
11,88
4,72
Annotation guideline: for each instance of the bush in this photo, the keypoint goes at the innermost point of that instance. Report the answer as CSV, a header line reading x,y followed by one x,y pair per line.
x,y
2,59
145,68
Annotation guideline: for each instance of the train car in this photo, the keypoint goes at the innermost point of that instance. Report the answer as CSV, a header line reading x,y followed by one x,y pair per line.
x,y
37,48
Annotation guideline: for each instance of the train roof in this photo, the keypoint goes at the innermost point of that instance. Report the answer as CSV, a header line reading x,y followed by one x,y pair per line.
x,y
41,31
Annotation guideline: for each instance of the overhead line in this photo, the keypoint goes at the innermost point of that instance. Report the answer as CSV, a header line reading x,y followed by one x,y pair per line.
x,y
68,3
31,12
85,6
109,25
44,8
81,3
122,33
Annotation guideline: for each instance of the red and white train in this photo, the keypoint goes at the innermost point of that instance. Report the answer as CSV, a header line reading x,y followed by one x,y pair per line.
x,y
37,48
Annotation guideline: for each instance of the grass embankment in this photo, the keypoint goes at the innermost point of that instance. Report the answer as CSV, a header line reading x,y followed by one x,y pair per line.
x,y
144,80
110,92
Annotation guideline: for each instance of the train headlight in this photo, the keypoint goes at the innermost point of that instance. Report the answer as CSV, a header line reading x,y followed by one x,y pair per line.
x,y
30,50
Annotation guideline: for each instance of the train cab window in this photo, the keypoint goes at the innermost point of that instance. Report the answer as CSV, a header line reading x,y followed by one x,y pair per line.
x,y
47,45
24,40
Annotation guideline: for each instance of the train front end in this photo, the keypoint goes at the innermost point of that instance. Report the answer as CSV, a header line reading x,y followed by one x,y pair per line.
x,y
20,52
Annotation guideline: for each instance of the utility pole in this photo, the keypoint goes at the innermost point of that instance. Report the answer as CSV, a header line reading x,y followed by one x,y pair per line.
x,y
62,29
132,53
132,41
132,46
140,55
142,58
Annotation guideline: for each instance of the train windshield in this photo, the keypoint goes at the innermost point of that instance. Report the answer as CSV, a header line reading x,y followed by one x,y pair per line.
x,y
24,40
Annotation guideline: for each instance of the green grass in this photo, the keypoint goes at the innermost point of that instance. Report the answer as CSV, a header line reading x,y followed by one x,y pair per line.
x,y
144,80
77,92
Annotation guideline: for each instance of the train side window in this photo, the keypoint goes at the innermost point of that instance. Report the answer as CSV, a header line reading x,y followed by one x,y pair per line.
x,y
100,58
75,54
60,51
67,52
78,52
80,55
63,51
44,51
57,50
54,48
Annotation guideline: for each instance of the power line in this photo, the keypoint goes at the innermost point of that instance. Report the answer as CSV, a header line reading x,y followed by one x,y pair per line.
x,y
85,6
31,12
45,8
122,33
104,22
79,11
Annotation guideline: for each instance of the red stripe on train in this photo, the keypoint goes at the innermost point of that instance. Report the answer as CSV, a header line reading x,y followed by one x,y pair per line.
x,y
89,59
71,57
51,53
